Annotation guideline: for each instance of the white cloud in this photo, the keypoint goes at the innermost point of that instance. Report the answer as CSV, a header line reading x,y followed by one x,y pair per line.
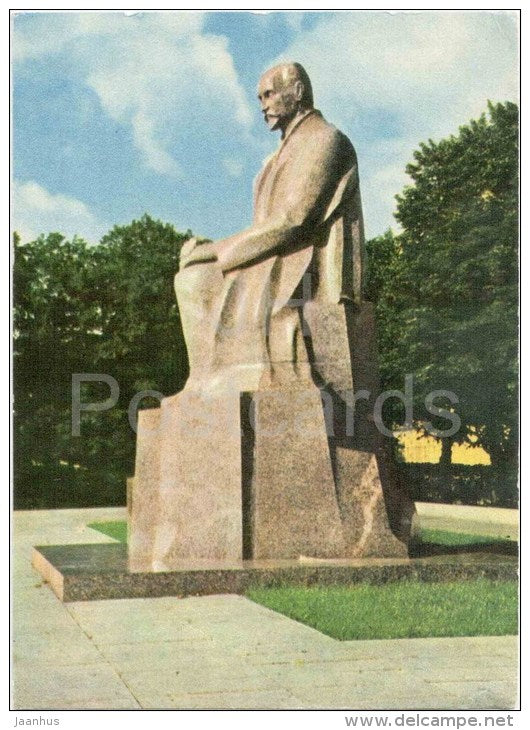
x,y
36,211
157,73
388,79
233,167
419,75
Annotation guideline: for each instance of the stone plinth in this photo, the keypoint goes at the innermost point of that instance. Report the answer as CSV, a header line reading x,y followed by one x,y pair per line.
x,y
292,501
186,499
232,476
254,476
100,571
143,504
367,531
292,468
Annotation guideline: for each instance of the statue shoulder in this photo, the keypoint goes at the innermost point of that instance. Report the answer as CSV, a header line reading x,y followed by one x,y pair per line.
x,y
328,137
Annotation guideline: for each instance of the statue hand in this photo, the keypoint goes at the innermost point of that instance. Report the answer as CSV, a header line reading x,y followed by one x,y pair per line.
x,y
200,254
187,248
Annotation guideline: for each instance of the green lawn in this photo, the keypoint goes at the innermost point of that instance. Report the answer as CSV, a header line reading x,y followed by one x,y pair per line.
x,y
442,537
403,609
116,529
395,610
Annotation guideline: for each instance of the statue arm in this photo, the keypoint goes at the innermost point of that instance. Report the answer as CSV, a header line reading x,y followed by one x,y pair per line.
x,y
246,247
314,181
259,242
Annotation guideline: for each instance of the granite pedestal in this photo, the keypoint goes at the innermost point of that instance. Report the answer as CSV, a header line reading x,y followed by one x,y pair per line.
x,y
290,467
100,571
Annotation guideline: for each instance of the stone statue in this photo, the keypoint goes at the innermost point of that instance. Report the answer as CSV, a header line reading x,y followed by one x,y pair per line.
x,y
240,298
265,453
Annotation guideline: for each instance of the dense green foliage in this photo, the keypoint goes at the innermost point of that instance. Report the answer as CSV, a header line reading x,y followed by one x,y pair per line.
x,y
461,483
446,287
404,609
90,309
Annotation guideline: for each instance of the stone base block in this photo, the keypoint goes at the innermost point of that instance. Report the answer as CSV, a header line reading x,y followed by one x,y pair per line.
x,y
186,500
96,572
231,476
363,509
291,499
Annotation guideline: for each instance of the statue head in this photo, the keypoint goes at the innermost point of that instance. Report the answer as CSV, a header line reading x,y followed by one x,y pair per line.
x,y
283,92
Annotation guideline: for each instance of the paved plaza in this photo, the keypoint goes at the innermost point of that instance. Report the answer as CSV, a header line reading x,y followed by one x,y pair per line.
x,y
226,652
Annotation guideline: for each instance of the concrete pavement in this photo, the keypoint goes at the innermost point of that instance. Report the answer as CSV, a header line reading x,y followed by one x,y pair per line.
x,y
223,652
490,521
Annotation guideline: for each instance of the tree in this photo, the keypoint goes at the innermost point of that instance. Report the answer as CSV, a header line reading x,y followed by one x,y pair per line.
x,y
105,309
142,339
447,293
56,325
142,344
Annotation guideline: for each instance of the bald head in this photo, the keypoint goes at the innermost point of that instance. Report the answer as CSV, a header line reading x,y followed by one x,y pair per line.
x,y
290,73
284,91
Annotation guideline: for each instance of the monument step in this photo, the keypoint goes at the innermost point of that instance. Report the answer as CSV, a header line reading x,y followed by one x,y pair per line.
x,y
99,571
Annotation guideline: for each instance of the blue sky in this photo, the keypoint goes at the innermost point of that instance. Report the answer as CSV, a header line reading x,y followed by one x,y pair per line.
x,y
115,115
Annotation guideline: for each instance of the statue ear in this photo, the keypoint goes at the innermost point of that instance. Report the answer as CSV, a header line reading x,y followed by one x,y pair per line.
x,y
298,90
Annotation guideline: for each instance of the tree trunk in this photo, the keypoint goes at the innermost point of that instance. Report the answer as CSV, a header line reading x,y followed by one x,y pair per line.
x,y
445,458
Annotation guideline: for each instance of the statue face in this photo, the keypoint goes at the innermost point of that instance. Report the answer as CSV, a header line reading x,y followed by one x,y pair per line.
x,y
278,99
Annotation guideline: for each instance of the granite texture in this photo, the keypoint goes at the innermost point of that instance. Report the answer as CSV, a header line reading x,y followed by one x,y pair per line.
x,y
265,453
239,296
195,511
99,571
293,503
275,473
326,326
367,531
143,490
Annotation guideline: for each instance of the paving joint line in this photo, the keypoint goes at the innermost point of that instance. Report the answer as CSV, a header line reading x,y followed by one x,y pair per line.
x,y
105,659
